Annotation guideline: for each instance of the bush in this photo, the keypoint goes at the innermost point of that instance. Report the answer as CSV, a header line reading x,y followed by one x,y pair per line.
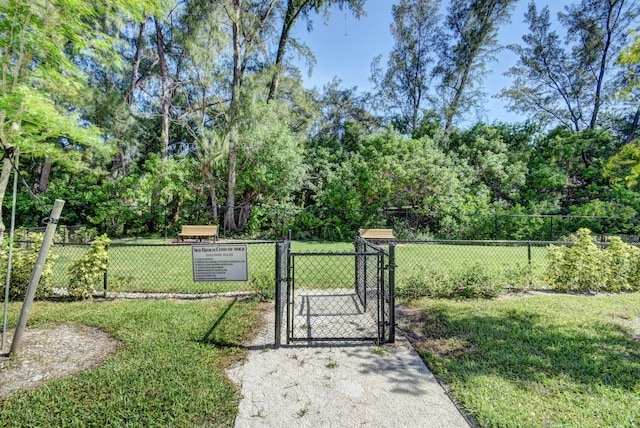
x,y
86,273
83,235
264,287
471,281
431,282
583,267
624,266
476,280
23,261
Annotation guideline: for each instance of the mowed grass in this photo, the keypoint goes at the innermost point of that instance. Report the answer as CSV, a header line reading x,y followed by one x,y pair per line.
x,y
167,371
544,360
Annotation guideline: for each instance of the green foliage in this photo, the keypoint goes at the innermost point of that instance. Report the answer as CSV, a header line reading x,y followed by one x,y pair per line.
x,y
583,267
23,261
623,261
630,57
263,287
429,282
472,280
624,166
476,280
86,273
83,234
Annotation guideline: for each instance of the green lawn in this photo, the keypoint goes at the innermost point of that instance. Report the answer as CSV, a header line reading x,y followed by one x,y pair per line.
x,y
542,360
168,371
545,360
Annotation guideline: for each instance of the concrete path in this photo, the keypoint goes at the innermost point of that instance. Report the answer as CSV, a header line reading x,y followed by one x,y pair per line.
x,y
339,385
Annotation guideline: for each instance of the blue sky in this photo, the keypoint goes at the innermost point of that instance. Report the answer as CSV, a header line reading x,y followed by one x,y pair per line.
x,y
345,47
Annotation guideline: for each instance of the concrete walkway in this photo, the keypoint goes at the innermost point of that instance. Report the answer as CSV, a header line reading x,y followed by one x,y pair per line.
x,y
339,385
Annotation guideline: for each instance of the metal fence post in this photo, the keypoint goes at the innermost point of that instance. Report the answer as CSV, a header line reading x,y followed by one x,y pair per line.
x,y
105,282
392,292
278,302
35,276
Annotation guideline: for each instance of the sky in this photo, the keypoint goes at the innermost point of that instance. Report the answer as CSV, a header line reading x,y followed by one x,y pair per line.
x,y
344,48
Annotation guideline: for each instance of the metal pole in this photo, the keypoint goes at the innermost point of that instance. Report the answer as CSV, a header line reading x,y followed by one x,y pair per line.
x,y
35,275
392,292
278,303
105,282
529,260
11,230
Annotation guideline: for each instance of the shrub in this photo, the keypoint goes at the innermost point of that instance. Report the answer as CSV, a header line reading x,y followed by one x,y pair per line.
x,y
477,280
86,273
431,282
623,262
583,267
470,281
23,261
83,235
263,286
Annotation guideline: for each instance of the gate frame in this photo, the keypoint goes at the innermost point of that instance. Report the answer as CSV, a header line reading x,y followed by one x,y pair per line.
x,y
285,274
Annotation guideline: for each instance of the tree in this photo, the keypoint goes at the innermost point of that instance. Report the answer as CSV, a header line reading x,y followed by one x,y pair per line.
x,y
570,82
472,30
37,75
405,85
292,12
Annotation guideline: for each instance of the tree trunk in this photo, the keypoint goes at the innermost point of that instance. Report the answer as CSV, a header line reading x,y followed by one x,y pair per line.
x,y
243,217
136,64
290,18
4,181
229,218
634,126
164,75
213,198
44,176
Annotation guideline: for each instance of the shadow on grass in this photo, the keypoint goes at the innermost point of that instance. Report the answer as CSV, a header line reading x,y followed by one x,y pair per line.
x,y
524,346
216,337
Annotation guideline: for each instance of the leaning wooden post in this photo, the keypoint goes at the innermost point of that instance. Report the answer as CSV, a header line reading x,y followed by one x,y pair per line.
x,y
35,276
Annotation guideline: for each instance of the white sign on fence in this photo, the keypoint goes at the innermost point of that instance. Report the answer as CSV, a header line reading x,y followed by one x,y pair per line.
x,y
222,262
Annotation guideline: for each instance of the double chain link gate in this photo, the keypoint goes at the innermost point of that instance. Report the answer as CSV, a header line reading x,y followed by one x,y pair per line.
x,y
335,296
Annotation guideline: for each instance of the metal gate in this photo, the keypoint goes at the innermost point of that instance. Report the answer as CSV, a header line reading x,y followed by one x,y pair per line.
x,y
335,296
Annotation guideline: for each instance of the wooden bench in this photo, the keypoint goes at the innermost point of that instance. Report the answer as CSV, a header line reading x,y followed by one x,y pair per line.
x,y
377,235
198,232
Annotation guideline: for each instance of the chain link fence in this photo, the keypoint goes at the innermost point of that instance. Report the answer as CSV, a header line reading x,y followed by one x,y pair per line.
x,y
146,267
274,222
520,263
164,268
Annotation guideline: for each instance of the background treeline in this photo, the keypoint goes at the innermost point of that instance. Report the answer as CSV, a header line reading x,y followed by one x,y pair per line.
x,y
147,115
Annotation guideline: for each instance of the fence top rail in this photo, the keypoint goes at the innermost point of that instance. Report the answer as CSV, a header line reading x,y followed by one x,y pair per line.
x,y
190,244
335,253
483,242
